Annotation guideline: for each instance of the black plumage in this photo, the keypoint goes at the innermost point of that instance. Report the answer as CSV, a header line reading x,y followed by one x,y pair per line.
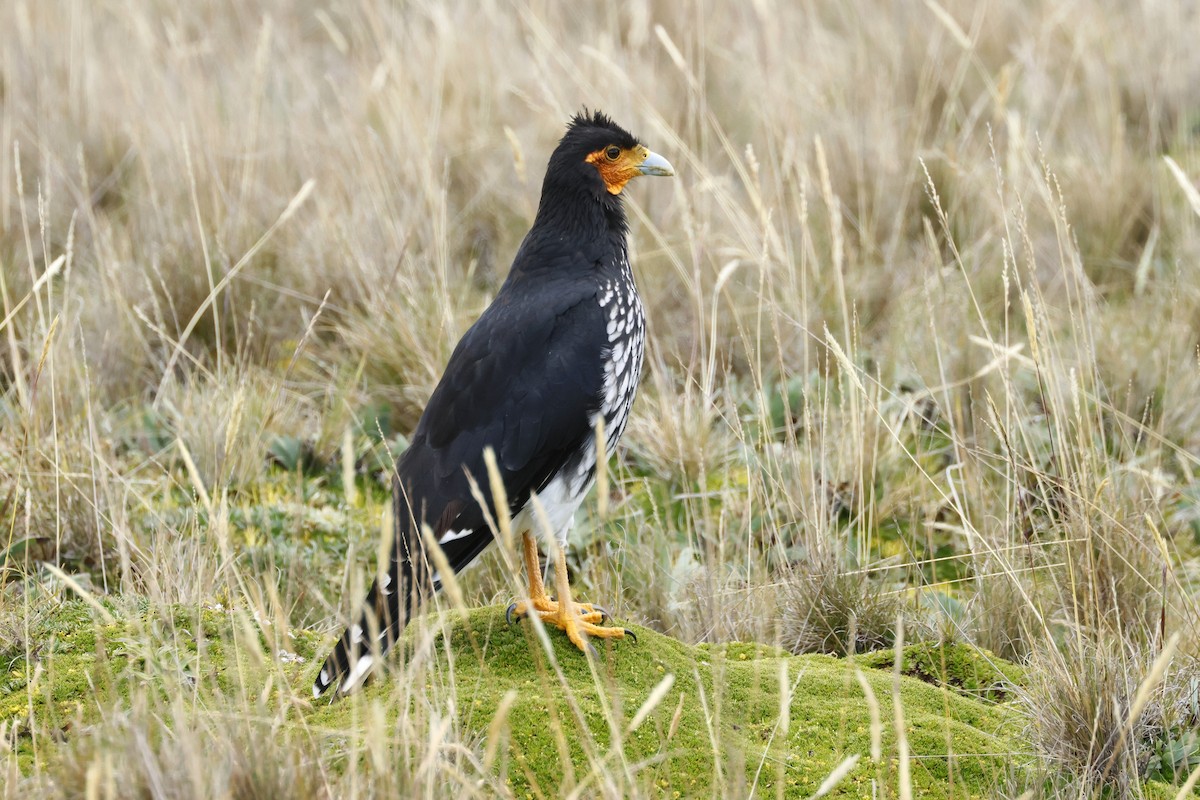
x,y
559,348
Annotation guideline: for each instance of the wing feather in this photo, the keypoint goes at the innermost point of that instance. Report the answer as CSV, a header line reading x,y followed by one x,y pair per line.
x,y
526,380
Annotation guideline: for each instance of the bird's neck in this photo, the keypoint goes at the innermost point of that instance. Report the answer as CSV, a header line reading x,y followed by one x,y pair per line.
x,y
582,215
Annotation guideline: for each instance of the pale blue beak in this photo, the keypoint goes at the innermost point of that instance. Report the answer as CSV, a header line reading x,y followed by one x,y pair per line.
x,y
656,165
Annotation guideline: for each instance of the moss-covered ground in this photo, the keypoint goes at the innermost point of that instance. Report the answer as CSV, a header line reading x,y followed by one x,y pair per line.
x,y
971,671
709,719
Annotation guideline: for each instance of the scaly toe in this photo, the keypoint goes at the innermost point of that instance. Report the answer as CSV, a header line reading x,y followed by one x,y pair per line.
x,y
519,609
590,612
553,618
595,631
585,623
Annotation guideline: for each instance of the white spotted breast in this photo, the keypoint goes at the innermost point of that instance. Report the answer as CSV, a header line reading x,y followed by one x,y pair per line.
x,y
625,325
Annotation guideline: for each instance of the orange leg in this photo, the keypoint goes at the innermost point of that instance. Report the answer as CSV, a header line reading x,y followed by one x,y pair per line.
x,y
579,620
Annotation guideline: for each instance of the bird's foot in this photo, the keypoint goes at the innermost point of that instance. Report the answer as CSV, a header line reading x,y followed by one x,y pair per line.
x,y
548,608
581,621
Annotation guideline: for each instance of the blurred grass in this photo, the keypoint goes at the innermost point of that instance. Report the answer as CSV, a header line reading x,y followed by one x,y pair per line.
x,y
922,307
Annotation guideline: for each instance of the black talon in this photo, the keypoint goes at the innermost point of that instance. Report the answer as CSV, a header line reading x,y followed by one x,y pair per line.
x,y
630,634
604,617
508,613
592,651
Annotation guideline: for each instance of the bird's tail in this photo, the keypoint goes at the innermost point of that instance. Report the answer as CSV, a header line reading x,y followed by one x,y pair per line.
x,y
394,597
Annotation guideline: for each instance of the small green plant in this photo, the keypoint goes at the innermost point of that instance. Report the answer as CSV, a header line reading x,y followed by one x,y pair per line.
x,y
1174,757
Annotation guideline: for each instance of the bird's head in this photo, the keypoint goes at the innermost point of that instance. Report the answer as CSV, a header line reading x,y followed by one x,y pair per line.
x,y
600,156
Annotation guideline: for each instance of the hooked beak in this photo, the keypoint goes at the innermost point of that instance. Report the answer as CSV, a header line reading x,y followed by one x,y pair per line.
x,y
654,164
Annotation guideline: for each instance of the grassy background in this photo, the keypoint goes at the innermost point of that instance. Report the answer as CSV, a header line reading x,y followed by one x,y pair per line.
x,y
924,320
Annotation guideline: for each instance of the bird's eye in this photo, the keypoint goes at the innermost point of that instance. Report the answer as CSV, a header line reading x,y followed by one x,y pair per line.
x,y
612,153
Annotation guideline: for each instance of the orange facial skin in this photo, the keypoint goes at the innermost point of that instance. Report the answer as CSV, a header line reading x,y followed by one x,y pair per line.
x,y
618,171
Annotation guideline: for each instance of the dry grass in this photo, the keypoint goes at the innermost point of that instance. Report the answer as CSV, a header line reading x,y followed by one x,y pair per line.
x,y
922,298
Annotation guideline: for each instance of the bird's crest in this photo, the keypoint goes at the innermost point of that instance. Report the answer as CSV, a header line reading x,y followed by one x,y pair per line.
x,y
597,119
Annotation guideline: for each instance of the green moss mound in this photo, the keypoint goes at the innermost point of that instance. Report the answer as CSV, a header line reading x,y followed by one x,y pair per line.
x,y
969,670
720,727
655,717
74,664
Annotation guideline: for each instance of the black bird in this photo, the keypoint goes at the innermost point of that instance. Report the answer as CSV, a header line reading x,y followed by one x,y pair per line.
x,y
554,358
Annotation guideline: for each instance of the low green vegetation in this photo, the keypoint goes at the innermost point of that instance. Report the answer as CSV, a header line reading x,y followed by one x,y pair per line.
x,y
719,724
970,671
659,716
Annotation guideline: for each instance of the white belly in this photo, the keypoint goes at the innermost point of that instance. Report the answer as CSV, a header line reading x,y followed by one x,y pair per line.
x,y
560,500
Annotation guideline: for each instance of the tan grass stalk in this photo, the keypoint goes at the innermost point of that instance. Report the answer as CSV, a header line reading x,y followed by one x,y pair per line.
x,y
81,592
651,702
839,773
904,778
293,205
194,474
876,717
